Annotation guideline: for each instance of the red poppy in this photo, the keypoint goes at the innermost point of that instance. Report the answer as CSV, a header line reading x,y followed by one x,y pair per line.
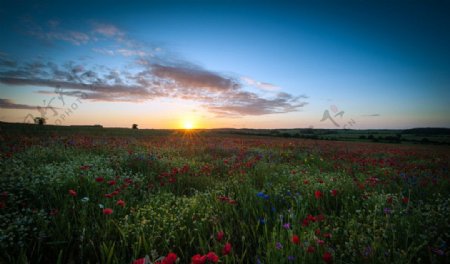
x,y
108,195
211,256
305,222
327,257
219,235
333,193
305,182
318,194
320,217
198,259
311,249
389,200
170,258
73,193
405,200
112,182
121,203
107,211
311,218
53,212
139,261
231,201
99,179
295,239
226,249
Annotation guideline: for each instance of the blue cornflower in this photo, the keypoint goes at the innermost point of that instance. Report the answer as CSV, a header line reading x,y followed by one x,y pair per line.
x,y
262,221
278,245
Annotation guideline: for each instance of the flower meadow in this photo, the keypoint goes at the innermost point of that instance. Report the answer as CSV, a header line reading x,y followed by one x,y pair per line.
x,y
205,197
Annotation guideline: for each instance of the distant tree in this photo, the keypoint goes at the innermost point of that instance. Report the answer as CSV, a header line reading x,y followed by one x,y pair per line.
x,y
362,137
286,135
370,137
425,140
39,121
135,126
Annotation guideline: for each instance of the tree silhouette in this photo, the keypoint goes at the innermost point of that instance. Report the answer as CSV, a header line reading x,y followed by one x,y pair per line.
x,y
135,126
40,121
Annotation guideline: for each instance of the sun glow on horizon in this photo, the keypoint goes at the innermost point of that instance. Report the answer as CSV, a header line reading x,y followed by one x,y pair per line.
x,y
188,124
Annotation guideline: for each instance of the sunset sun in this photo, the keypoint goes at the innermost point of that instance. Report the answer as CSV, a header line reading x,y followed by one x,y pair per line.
x,y
188,124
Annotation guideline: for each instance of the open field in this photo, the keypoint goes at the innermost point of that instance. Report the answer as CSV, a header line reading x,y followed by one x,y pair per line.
x,y
93,195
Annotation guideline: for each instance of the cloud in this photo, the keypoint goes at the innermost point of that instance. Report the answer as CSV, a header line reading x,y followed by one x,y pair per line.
x,y
108,30
6,62
218,93
186,77
260,85
154,74
8,104
51,32
74,37
104,51
372,115
128,52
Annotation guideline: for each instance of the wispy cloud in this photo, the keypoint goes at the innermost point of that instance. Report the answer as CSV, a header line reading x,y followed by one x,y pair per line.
x,y
129,52
51,31
260,85
108,30
372,115
104,51
186,77
8,104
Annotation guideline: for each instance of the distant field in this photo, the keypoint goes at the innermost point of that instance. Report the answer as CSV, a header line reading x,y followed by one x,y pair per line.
x,y
106,195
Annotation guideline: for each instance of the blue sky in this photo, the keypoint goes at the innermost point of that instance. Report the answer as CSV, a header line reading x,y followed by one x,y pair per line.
x,y
260,64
